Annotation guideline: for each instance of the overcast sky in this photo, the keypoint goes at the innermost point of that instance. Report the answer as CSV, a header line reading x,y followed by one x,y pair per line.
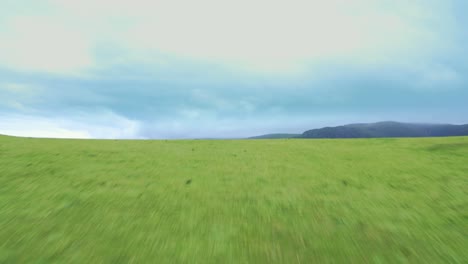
x,y
214,68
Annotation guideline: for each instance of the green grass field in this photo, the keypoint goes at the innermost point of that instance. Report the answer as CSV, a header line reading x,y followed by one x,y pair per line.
x,y
249,201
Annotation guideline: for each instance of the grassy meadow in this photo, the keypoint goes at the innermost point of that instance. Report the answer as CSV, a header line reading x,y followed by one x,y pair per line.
x,y
234,201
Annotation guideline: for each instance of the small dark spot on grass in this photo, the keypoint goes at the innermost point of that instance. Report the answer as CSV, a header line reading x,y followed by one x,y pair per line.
x,y
405,251
345,183
338,220
189,181
362,225
193,149
262,180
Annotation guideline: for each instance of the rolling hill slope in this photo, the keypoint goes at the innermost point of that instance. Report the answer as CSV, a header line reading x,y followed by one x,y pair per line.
x,y
377,130
387,129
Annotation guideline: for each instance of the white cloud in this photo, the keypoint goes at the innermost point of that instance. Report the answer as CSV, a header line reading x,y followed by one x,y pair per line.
x,y
253,35
27,126
17,95
39,43
103,125
16,105
20,88
431,76
440,76
273,35
15,87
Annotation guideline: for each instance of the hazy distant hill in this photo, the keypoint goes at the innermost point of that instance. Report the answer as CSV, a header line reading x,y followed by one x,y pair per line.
x,y
275,136
387,129
377,130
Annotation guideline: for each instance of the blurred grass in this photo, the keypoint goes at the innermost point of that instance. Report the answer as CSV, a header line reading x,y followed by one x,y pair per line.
x,y
249,201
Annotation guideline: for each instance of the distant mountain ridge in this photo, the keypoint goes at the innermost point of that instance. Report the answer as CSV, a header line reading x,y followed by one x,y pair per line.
x,y
277,135
382,129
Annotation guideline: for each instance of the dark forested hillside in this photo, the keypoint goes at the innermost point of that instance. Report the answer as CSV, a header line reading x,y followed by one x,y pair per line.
x,y
387,129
